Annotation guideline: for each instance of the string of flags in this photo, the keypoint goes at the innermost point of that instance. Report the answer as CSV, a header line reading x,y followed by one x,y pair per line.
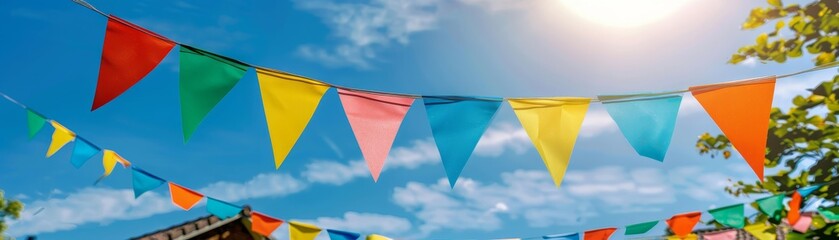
x,y
681,224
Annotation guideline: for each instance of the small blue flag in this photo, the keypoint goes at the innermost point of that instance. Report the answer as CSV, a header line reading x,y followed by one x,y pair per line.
x,y
646,123
144,181
808,190
221,209
82,151
564,236
342,235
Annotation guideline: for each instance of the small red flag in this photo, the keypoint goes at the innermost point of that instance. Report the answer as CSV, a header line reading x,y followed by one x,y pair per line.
x,y
794,208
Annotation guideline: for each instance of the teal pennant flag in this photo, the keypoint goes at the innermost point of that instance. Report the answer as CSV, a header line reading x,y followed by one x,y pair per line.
x,y
640,228
205,78
342,235
144,181
457,124
732,216
35,123
82,151
647,123
772,206
805,191
221,209
564,236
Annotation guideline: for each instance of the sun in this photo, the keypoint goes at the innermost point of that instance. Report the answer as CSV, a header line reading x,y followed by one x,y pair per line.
x,y
624,13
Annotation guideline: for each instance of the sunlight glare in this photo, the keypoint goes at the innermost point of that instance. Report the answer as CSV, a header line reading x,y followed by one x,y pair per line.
x,y
623,13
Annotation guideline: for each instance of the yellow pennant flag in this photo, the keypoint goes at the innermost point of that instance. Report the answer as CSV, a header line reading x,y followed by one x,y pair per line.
x,y
552,125
60,137
686,237
761,231
302,231
289,103
377,237
110,160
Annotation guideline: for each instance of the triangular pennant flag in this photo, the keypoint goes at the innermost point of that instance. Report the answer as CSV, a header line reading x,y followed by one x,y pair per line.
x,y
60,137
552,125
831,213
377,237
184,198
375,119
83,151
599,234
35,122
732,216
302,231
682,224
761,231
221,209
563,236
741,110
721,235
646,123
205,78
806,191
128,54
289,102
640,228
143,181
772,206
342,235
457,123
803,223
264,224
110,160
686,237
794,212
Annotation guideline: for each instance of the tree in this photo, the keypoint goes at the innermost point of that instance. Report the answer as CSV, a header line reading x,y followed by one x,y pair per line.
x,y
8,209
808,131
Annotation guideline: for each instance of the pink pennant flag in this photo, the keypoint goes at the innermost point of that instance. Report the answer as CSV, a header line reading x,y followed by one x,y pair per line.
x,y
375,119
803,224
723,235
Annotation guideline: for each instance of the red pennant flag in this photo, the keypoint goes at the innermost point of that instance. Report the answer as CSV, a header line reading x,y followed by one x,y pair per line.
x,y
375,119
794,208
264,224
599,234
682,224
182,197
129,53
741,110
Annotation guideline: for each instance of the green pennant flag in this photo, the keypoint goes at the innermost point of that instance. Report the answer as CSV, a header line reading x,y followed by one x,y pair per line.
x,y
640,228
731,216
205,78
35,122
831,213
772,206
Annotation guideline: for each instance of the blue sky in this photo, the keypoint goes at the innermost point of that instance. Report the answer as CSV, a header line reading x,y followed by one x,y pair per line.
x,y
460,47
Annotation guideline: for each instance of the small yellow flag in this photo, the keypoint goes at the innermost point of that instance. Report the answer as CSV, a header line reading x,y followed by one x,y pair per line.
x,y
552,125
60,137
686,237
110,159
289,102
761,231
377,237
302,231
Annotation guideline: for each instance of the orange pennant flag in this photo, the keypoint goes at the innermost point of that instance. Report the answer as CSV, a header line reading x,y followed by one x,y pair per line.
x,y
182,197
599,234
794,208
682,224
264,224
741,110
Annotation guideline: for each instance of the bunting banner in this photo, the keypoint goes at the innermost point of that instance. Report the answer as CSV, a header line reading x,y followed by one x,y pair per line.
x,y
794,212
110,160
457,124
640,228
184,198
289,102
721,235
377,237
741,110
143,181
682,224
552,125
731,216
761,231
772,206
803,223
831,213
60,137
375,120
34,122
82,151
264,224
599,234
205,78
128,54
647,123
302,231
342,235
221,209
564,236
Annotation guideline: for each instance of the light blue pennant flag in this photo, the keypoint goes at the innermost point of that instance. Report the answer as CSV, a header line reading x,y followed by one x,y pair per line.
x,y
82,151
647,123
221,209
564,236
457,124
144,181
808,190
342,235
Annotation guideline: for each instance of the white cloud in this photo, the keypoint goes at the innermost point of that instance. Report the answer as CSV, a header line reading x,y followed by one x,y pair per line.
x,y
365,223
501,5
